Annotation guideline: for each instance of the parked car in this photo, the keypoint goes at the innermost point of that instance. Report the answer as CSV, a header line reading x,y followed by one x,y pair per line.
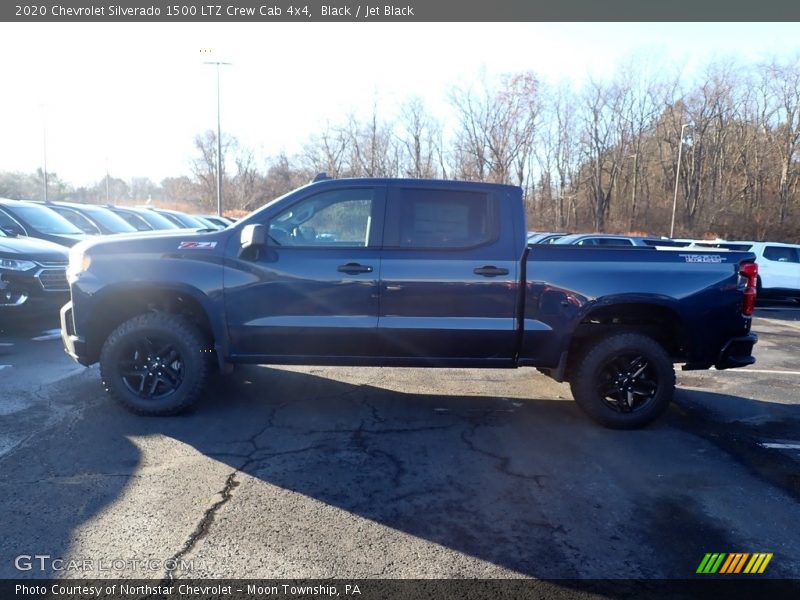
x,y
600,239
91,218
407,273
778,265
143,219
538,237
208,222
223,222
180,219
32,275
667,242
18,217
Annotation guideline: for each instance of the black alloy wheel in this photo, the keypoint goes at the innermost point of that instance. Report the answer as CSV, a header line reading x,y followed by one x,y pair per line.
x,y
151,367
627,383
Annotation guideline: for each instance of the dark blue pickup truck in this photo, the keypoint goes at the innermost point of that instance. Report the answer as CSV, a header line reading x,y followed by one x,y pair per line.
x,y
403,273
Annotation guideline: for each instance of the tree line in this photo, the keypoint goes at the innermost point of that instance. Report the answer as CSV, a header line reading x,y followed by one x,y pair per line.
x,y
602,157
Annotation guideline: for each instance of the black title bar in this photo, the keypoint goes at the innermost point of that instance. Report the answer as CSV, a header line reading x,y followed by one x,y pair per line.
x,y
245,11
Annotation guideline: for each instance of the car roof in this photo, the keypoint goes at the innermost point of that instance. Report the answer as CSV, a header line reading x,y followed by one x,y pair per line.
x,y
11,202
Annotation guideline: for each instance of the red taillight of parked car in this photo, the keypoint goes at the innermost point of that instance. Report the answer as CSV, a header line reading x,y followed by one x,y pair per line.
x,y
750,272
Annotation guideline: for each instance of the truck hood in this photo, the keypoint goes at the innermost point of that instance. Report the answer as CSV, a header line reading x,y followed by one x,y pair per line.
x,y
154,241
31,249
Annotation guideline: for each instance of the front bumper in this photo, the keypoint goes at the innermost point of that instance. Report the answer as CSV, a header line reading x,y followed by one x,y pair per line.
x,y
74,345
10,296
738,352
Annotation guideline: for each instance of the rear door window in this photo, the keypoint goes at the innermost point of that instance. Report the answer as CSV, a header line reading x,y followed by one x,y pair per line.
x,y
781,254
433,218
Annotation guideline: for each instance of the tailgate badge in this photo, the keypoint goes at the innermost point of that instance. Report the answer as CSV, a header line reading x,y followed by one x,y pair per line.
x,y
703,258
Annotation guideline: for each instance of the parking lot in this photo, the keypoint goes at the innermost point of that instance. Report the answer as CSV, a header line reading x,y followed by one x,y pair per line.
x,y
401,473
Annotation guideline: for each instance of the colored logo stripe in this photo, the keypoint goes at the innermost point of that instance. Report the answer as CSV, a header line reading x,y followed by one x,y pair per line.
x,y
734,563
711,563
728,564
758,563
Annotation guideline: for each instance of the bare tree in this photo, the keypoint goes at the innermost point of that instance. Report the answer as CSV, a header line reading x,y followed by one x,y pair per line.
x,y
420,138
605,144
374,151
785,89
496,130
327,152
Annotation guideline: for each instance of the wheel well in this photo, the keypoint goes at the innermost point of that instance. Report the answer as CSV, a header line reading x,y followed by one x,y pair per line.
x,y
657,322
122,306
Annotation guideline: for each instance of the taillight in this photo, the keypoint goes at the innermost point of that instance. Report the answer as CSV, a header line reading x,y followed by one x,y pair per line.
x,y
750,272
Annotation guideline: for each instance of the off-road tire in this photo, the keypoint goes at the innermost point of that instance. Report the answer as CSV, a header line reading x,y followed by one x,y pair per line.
x,y
157,352
606,386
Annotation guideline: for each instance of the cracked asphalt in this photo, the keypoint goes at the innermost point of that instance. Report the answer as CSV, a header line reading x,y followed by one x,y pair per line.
x,y
311,472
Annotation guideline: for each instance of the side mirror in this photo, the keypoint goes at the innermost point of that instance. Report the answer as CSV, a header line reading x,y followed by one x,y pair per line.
x,y
253,236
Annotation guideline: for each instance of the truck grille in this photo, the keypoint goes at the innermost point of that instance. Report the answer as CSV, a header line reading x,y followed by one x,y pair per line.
x,y
52,264
54,280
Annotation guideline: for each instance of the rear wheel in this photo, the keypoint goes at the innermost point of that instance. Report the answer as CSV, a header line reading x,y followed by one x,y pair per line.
x,y
624,382
155,364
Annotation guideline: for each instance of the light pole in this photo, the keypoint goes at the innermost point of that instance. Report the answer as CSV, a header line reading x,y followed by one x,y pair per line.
x,y
635,158
219,139
44,149
677,178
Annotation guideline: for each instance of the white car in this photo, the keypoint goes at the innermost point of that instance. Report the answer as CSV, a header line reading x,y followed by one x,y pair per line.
x,y
778,265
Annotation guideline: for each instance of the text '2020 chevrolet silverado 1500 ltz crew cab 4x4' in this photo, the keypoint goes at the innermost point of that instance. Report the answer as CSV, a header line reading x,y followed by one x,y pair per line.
x,y
403,273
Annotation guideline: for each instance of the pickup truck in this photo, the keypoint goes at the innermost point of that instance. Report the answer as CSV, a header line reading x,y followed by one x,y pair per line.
x,y
394,272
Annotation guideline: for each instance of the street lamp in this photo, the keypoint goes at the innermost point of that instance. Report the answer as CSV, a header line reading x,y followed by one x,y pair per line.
x,y
219,139
677,178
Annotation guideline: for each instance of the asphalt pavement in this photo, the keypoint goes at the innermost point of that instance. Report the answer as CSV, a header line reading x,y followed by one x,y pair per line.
x,y
404,473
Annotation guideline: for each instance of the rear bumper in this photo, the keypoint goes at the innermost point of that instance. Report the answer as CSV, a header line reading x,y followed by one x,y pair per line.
x,y
738,352
74,345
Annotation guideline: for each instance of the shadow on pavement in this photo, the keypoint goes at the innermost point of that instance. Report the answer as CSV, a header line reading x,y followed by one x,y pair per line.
x,y
530,486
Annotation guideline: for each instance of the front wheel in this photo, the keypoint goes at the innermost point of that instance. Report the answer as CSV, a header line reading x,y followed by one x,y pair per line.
x,y
155,364
624,381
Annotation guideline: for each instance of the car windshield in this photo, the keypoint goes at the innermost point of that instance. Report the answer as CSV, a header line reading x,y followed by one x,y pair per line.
x,y
156,220
45,220
189,221
109,220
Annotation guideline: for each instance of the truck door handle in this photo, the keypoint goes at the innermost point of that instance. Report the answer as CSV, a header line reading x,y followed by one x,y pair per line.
x,y
490,271
354,268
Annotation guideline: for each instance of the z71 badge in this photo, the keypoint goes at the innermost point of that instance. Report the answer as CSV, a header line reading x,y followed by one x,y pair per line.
x,y
196,245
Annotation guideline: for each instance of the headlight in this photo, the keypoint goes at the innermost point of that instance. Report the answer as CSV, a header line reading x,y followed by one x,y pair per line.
x,y
78,261
16,265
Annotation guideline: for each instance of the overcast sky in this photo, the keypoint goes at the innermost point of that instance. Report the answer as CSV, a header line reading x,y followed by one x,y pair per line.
x,y
133,96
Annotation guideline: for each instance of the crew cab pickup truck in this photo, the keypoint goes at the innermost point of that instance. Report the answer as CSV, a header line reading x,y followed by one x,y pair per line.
x,y
397,272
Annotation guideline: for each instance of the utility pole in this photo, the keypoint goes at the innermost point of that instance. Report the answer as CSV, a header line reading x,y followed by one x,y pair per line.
x,y
44,150
635,158
219,139
677,178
